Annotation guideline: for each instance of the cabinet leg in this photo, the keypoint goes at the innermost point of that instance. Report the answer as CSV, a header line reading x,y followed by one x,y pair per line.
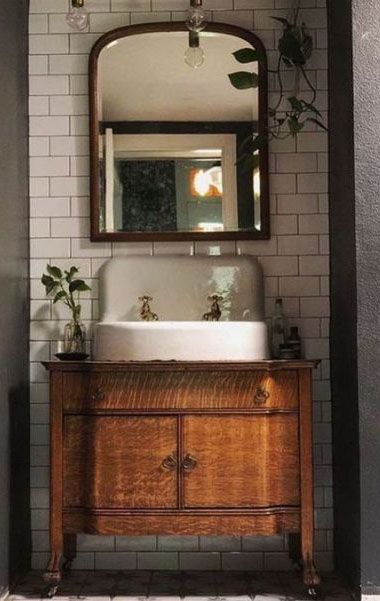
x,y
52,575
69,551
310,575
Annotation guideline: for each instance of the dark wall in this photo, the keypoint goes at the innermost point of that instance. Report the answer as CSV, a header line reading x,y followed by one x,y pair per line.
x,y
354,32
14,302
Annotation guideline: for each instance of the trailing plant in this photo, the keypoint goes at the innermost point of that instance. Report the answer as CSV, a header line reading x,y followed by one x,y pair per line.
x,y
295,48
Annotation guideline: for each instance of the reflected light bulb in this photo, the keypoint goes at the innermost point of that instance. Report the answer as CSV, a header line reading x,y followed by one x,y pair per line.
x,y
77,17
194,57
196,18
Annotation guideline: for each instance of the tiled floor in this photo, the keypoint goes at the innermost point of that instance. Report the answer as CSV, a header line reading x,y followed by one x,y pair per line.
x,y
172,586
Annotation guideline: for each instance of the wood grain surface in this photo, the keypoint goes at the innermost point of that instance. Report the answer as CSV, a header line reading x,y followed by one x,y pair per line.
x,y
117,462
178,390
242,461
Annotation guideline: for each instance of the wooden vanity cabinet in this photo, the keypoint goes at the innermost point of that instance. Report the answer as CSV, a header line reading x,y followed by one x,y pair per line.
x,y
181,448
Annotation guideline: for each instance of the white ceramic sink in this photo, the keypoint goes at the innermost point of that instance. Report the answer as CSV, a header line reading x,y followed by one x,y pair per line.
x,y
181,341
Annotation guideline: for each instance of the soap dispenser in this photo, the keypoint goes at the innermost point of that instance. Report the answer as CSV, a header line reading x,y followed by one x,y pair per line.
x,y
278,328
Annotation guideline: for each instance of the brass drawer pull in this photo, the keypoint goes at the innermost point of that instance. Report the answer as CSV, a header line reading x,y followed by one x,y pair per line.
x,y
98,395
261,396
189,463
169,463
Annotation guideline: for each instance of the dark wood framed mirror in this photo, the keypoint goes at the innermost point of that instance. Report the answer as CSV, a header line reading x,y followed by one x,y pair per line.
x,y
166,135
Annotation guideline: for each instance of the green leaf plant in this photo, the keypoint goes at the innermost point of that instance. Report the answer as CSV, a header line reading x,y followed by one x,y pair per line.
x,y
65,287
295,48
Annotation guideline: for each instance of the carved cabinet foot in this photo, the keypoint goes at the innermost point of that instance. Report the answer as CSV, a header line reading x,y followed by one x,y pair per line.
x,y
312,580
52,575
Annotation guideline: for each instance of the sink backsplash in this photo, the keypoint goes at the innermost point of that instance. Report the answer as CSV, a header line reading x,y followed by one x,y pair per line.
x,y
179,287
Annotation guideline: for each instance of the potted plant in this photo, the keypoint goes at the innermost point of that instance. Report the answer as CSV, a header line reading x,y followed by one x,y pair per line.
x,y
66,288
295,48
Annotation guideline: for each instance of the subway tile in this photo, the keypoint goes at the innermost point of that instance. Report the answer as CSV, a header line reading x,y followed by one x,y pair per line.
x,y
315,307
38,105
78,84
39,393
39,146
177,543
62,313
39,413
69,186
242,561
297,203
312,142
224,247
312,182
38,65
284,224
296,162
39,351
70,227
40,498
39,434
40,541
87,542
298,245
49,247
38,24
157,561
257,247
313,224
283,183
69,146
220,543
80,166
136,543
48,6
263,543
130,5
170,5
73,64
132,248
317,348
280,562
58,24
82,247
48,84
199,561
299,286
49,126
279,266
49,166
79,125
40,456
314,265
107,21
39,228
48,44
50,207
80,206
85,561
84,266
69,105
115,561
240,18
82,43
149,17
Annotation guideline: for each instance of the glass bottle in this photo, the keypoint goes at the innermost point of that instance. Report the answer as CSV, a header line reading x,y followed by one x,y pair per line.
x,y
278,328
75,337
294,342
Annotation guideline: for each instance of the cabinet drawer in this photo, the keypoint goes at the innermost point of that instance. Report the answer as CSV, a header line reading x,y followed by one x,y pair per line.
x,y
181,390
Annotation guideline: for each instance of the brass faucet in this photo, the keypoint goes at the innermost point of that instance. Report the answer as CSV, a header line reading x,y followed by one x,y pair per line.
x,y
145,312
215,313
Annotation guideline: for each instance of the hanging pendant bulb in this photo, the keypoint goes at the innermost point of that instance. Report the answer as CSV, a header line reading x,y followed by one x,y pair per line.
x,y
194,55
77,17
196,16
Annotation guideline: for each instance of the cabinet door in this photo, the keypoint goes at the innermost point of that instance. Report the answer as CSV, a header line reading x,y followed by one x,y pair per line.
x,y
120,462
241,461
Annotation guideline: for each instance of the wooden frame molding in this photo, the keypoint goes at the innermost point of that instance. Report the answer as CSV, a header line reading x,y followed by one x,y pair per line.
x,y
121,32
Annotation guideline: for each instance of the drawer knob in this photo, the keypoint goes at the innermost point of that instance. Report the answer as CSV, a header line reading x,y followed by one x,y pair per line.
x,y
261,396
189,463
169,463
98,395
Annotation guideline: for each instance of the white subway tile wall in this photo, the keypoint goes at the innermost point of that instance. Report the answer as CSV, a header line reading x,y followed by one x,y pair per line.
x,y
295,260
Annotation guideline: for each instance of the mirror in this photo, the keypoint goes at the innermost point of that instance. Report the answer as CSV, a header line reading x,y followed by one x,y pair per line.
x,y
168,132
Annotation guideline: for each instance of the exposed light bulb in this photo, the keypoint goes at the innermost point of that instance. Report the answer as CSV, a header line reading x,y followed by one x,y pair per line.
x,y
194,57
77,17
196,16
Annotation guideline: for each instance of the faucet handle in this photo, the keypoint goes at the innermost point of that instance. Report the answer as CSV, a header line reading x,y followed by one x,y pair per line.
x,y
145,298
215,298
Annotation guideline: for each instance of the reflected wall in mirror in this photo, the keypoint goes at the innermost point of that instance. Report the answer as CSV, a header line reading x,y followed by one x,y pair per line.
x,y
168,137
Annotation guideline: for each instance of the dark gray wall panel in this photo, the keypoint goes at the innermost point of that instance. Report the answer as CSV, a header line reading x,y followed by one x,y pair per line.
x,y
14,302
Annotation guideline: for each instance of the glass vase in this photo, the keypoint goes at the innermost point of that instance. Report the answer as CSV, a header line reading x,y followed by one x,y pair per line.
x,y
75,337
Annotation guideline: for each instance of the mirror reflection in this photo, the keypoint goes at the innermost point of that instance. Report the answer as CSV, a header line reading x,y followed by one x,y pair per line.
x,y
170,129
